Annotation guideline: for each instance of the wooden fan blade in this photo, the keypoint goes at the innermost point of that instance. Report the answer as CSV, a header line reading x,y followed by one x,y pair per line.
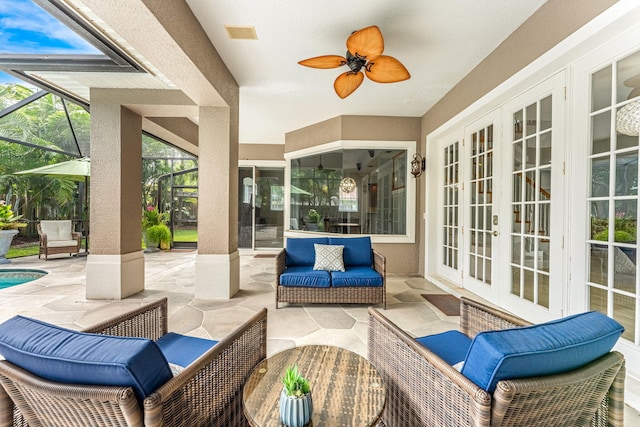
x,y
366,43
347,83
386,69
326,61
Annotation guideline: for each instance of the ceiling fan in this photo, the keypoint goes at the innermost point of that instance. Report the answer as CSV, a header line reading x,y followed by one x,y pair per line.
x,y
321,168
364,50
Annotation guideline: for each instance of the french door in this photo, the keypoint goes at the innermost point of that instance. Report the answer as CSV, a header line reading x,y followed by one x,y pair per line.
x,y
533,226
512,204
480,231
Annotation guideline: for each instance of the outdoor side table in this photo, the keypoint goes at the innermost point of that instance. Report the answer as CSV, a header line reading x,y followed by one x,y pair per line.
x,y
346,389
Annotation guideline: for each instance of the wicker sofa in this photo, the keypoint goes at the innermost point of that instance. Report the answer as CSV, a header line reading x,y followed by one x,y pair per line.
x,y
207,392
363,280
424,390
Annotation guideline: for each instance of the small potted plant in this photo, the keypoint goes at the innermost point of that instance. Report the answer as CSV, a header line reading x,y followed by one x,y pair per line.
x,y
9,224
296,405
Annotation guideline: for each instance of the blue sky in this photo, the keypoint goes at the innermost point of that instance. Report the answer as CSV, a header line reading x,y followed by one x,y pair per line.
x,y
26,28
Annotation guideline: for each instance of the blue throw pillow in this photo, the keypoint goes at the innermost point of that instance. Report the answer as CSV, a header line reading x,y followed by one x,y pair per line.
x,y
545,349
67,356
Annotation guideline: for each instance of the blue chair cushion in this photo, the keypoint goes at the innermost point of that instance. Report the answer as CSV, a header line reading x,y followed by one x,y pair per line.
x,y
450,346
305,276
181,350
300,251
67,356
545,349
357,250
356,276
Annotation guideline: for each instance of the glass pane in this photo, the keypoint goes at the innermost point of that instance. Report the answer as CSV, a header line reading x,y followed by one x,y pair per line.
x,y
626,221
518,124
543,290
530,158
490,137
600,176
601,89
600,220
624,260
545,148
543,255
515,281
597,299
599,262
517,188
545,113
601,133
528,285
532,119
516,249
529,252
625,313
530,186
544,219
517,156
324,199
627,76
29,29
627,174
269,208
245,207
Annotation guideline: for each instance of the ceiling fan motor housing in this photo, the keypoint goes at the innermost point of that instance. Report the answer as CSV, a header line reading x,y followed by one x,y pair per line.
x,y
355,62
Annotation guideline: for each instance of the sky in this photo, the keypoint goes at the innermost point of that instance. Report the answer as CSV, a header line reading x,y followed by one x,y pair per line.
x,y
27,29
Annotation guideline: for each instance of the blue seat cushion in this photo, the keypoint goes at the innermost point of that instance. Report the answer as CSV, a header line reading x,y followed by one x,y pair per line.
x,y
450,346
357,250
67,356
356,276
181,350
300,251
545,349
305,276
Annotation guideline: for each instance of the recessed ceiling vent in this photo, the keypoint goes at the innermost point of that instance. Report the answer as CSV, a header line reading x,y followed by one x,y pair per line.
x,y
241,32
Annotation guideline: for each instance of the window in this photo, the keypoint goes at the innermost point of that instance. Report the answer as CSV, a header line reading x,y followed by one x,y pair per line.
x,y
350,191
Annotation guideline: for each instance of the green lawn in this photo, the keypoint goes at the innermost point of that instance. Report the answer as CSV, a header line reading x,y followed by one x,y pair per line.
x,y
23,251
185,235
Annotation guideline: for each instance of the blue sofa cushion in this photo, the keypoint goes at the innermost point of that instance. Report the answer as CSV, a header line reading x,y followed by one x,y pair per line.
x,y
300,251
67,356
181,350
450,346
305,276
356,276
357,250
544,349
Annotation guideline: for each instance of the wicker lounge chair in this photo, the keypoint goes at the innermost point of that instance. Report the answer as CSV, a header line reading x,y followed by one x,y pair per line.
x,y
208,392
423,390
57,237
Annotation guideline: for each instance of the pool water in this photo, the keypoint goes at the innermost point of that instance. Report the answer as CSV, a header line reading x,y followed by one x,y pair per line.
x,y
18,276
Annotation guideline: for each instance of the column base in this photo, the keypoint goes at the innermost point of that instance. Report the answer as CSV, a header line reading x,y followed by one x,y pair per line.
x,y
217,276
115,276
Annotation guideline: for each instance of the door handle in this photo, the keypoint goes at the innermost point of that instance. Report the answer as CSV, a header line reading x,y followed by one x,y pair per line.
x,y
495,233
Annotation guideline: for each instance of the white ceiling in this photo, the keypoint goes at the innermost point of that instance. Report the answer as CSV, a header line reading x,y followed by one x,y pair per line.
x,y
438,41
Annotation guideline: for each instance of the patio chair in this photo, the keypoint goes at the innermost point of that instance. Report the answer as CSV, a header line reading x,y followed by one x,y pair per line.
x,y
57,237
424,389
207,392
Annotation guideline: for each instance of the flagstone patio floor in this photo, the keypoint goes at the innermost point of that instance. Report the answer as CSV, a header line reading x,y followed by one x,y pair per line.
x,y
59,298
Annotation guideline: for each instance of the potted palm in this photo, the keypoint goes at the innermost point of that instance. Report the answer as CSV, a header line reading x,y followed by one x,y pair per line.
x,y
154,229
296,405
9,224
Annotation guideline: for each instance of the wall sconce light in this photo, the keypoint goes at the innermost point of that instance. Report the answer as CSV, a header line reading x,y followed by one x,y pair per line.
x,y
418,165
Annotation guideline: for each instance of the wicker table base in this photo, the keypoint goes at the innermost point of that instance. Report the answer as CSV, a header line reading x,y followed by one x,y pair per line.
x,y
347,390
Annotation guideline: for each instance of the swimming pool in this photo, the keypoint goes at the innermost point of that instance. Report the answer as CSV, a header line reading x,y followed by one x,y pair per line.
x,y
16,276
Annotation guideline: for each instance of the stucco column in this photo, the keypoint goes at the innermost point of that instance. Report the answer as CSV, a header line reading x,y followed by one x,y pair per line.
x,y
115,266
218,261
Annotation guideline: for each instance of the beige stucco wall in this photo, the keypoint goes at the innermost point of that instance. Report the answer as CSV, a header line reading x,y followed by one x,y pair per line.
x,y
401,257
261,152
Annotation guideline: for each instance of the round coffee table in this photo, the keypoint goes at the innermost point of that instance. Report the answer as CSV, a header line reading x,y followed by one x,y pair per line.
x,y
346,389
